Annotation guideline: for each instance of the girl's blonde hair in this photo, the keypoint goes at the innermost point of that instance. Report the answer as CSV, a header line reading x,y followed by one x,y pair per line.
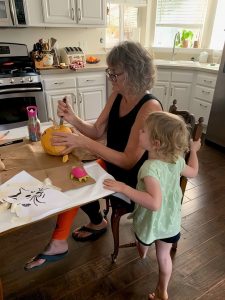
x,y
172,133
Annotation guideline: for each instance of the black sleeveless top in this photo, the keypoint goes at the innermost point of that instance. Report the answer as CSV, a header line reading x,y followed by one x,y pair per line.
x,y
118,133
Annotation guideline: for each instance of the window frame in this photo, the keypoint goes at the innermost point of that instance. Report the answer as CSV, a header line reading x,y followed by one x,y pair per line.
x,y
151,25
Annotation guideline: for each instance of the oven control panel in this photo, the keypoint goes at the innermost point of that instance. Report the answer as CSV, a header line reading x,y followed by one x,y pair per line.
x,y
19,80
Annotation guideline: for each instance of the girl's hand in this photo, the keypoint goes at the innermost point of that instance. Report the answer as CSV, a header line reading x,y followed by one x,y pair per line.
x,y
70,140
195,145
65,110
113,185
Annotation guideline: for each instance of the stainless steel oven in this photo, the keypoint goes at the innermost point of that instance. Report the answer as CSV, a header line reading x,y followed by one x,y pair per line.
x,y
13,105
20,86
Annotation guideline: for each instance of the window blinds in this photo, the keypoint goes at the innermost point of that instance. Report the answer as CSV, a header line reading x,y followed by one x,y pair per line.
x,y
186,12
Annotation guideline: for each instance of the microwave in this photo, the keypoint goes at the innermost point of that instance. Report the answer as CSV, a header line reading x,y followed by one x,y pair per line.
x,y
13,13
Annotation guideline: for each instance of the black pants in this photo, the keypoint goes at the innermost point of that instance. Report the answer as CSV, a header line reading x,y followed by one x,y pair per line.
x,y
94,213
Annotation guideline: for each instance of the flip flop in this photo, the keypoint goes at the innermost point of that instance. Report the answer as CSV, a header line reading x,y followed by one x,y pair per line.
x,y
95,234
48,259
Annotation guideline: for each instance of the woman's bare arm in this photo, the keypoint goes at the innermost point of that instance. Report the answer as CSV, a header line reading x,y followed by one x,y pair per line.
x,y
132,152
92,130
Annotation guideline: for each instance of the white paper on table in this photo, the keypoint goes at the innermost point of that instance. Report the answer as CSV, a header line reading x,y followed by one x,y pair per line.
x,y
55,201
31,196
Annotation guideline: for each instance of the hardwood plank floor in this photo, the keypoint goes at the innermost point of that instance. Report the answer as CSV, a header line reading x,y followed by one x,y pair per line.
x,y
87,271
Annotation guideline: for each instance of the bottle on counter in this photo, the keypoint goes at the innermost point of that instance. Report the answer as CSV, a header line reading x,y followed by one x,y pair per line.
x,y
33,124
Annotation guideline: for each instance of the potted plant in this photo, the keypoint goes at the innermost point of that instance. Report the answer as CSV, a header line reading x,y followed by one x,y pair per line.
x,y
186,37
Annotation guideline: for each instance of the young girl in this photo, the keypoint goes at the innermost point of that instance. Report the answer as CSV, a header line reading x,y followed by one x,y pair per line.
x,y
157,217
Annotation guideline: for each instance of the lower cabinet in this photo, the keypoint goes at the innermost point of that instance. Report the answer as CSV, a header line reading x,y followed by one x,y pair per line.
x,y
174,85
201,109
91,102
181,92
85,92
52,98
203,91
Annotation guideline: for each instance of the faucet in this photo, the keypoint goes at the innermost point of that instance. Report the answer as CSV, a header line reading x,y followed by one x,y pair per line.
x,y
174,45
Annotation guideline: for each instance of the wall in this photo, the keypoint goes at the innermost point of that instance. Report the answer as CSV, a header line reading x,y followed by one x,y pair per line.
x,y
87,38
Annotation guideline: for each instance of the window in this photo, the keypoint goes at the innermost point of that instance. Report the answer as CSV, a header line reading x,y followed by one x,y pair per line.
x,y
182,16
126,20
154,23
218,34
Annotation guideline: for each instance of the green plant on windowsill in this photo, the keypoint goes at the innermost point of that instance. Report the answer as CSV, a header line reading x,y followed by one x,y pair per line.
x,y
184,39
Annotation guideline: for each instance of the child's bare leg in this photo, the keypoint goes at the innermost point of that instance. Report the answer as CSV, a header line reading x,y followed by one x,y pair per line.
x,y
142,249
165,270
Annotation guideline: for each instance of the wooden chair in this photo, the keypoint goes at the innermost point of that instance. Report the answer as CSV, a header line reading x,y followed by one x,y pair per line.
x,y
196,132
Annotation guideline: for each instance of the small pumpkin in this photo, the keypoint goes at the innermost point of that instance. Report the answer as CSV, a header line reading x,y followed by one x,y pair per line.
x,y
46,138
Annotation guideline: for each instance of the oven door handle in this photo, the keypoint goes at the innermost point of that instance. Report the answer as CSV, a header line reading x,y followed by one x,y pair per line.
x,y
16,90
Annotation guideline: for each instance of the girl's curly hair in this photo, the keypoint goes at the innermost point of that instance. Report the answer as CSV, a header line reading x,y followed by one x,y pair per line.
x,y
172,133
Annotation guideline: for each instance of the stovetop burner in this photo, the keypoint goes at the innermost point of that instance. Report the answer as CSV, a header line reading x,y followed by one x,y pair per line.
x,y
16,61
16,67
27,71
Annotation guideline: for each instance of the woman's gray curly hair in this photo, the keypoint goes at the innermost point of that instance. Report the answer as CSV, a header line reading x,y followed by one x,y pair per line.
x,y
137,64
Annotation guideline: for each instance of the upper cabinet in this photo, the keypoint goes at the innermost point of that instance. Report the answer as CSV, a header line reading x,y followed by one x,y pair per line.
x,y
75,12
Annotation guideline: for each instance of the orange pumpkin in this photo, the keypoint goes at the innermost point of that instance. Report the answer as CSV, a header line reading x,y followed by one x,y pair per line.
x,y
47,136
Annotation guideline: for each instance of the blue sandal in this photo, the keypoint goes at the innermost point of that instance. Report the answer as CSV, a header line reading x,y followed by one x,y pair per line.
x,y
48,259
95,234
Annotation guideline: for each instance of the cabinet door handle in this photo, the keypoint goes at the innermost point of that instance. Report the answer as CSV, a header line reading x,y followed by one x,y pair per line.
x,y
90,80
171,92
205,92
75,100
205,106
58,82
207,81
79,14
165,90
81,97
72,14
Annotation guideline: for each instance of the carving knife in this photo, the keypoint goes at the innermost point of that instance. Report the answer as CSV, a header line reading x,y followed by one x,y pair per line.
x,y
61,118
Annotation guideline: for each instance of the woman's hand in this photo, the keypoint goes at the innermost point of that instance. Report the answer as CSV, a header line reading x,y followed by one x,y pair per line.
x,y
70,140
114,185
65,110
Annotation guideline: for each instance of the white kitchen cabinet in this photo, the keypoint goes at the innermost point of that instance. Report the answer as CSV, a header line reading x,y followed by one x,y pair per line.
x,y
174,85
52,98
85,92
181,92
91,90
203,91
75,12
161,88
91,102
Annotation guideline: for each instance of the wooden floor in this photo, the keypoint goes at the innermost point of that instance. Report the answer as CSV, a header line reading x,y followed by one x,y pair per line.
x,y
87,272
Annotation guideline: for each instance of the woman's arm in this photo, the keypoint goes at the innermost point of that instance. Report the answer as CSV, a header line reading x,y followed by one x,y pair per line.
x,y
93,130
132,152
150,199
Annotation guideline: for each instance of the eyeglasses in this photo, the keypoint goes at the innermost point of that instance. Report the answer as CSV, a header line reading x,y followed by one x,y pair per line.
x,y
111,75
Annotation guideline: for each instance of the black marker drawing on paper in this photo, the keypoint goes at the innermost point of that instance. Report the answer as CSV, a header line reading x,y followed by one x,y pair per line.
x,y
34,196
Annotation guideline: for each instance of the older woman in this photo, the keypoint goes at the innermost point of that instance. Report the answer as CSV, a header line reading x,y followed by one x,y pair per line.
x,y
132,73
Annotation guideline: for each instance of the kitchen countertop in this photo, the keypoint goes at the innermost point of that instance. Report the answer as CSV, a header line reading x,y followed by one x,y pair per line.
x,y
160,63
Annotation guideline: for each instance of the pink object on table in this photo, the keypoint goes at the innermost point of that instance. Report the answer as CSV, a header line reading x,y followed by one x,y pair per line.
x,y
79,173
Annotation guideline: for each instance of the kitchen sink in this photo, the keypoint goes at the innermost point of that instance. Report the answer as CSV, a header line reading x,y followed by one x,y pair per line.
x,y
176,62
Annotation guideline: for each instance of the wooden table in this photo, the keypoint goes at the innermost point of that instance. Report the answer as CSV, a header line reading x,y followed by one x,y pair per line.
x,y
78,196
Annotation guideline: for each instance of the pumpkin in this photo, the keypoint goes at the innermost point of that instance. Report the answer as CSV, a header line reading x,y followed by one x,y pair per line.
x,y
47,136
